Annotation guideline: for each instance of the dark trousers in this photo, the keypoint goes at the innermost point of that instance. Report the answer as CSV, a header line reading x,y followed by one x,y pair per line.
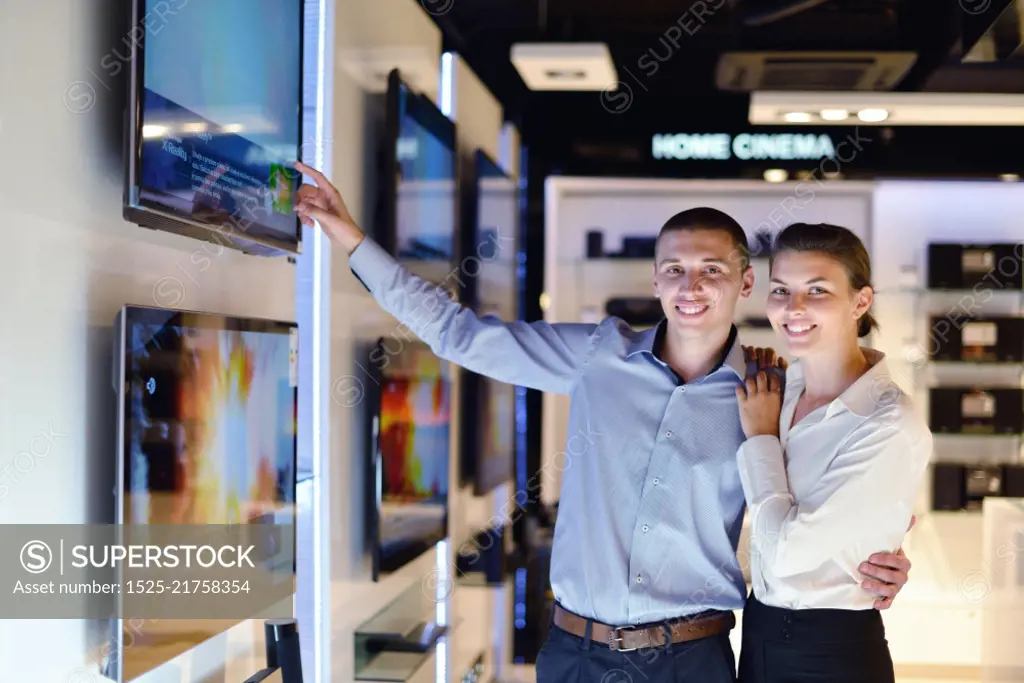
x,y
813,646
566,658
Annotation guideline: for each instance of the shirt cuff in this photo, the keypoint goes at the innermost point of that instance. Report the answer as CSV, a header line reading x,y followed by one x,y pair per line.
x,y
762,469
371,264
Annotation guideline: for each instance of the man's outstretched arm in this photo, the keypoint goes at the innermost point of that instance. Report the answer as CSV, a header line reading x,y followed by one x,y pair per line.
x,y
537,355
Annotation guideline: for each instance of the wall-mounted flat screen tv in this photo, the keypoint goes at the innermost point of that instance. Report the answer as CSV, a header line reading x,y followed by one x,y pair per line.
x,y
491,205
215,121
206,435
410,443
417,217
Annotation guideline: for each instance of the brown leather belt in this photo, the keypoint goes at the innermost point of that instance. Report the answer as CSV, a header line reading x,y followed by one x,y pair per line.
x,y
629,638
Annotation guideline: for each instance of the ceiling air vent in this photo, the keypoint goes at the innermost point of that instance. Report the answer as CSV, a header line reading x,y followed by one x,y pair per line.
x,y
748,71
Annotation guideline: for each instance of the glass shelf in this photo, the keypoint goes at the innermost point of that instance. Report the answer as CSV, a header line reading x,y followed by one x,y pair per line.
x,y
396,641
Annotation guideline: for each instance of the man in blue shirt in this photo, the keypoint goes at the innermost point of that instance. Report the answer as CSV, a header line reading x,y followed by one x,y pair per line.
x,y
644,566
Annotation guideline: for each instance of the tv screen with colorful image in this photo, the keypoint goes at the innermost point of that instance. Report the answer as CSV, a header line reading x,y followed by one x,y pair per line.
x,y
207,429
413,441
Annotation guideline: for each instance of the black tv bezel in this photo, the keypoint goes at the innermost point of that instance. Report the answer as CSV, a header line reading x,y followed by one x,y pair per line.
x,y
382,567
128,315
155,216
474,385
402,101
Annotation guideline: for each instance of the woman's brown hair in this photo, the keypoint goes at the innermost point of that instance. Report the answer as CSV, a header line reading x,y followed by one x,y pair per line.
x,y
838,243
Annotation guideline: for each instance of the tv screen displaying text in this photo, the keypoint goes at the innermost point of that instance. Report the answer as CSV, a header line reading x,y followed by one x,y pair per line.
x,y
221,113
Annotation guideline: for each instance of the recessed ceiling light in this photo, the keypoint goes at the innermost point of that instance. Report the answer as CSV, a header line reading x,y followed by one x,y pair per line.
x,y
892,108
834,114
797,117
566,74
565,66
872,115
776,175
1009,177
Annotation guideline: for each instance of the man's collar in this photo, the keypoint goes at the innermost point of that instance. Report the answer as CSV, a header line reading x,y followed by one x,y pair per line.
x,y
650,341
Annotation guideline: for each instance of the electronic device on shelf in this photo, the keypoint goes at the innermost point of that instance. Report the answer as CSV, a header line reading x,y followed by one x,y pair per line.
x,y
983,340
633,246
638,247
408,401
637,311
963,487
956,410
416,216
484,559
762,244
490,220
595,244
281,646
214,123
967,266
206,434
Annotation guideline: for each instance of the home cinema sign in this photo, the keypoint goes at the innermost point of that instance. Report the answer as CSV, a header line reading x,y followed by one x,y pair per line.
x,y
745,146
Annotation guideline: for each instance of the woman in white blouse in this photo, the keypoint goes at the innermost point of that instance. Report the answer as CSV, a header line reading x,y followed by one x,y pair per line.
x,y
830,472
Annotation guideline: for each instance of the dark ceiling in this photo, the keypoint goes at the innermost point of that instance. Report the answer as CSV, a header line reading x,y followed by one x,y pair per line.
x,y
957,46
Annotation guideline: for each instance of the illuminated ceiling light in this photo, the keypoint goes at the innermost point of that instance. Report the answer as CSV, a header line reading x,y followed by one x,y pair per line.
x,y
834,114
153,131
797,117
565,66
776,175
768,108
872,115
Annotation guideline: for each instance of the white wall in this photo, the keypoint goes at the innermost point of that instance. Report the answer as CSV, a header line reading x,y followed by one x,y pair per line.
x,y
68,264
356,320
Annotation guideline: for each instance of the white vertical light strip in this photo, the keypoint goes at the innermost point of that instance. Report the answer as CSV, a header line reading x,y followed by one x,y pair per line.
x,y
447,81
442,593
445,581
321,529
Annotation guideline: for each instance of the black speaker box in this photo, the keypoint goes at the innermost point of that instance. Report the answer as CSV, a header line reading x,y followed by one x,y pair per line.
x,y
982,340
975,266
956,410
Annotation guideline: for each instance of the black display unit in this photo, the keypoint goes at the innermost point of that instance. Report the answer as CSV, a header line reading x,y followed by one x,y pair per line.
x,y
975,266
956,410
490,216
214,122
416,216
990,339
407,397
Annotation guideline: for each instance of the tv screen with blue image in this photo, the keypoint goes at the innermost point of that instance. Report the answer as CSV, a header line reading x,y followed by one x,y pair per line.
x,y
218,98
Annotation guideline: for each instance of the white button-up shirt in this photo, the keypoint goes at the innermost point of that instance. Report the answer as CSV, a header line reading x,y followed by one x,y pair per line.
x,y
831,490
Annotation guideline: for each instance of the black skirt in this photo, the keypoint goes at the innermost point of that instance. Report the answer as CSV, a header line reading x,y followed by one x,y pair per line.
x,y
813,646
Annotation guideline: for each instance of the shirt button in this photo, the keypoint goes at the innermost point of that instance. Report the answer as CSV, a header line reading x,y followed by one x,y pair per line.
x,y
668,433
656,480
639,579
645,528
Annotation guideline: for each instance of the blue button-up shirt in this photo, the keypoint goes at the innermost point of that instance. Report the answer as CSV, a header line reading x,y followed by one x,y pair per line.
x,y
651,505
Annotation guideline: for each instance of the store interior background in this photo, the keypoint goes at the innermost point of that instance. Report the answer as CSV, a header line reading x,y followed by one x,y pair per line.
x,y
69,262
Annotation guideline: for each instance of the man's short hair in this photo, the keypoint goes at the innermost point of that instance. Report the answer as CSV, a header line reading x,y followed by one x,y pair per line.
x,y
706,218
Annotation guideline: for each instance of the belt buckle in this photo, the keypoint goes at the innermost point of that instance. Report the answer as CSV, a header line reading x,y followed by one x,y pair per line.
x,y
616,637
